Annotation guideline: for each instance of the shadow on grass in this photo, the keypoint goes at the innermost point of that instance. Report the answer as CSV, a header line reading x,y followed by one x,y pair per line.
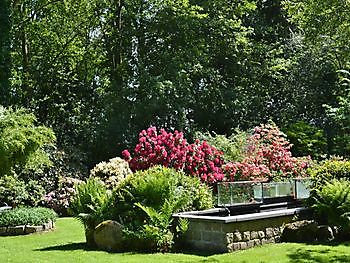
x,y
303,255
68,247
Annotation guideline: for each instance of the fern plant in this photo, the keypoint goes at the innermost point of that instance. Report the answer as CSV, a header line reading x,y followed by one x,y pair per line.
x,y
92,198
332,203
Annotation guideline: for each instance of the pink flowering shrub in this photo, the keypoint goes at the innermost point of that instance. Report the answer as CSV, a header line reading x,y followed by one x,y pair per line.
x,y
268,156
172,150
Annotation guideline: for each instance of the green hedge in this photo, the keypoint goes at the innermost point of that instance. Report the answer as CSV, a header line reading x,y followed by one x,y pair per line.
x,y
328,170
26,216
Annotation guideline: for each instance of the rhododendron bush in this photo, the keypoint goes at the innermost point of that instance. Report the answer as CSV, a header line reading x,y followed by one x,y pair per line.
x,y
172,150
267,156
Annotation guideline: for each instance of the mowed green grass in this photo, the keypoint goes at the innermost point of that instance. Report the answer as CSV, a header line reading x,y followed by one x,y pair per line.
x,y
66,244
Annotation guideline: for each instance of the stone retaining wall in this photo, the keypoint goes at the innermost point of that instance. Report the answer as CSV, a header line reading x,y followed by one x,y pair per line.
x,y
26,229
215,234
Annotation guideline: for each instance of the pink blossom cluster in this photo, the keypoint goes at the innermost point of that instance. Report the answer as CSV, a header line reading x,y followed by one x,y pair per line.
x,y
268,155
172,150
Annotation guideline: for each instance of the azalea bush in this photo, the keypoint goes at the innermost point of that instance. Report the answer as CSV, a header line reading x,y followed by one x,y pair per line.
x,y
172,150
112,172
265,155
268,157
60,198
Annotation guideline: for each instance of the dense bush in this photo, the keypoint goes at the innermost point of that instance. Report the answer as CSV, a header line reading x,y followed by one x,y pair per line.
x,y
307,140
60,198
112,172
268,157
26,216
23,155
145,201
325,171
331,204
14,191
233,146
22,142
172,150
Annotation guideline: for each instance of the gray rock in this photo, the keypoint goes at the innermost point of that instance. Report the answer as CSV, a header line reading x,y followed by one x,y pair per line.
x,y
254,235
108,236
33,229
269,232
243,245
246,235
300,231
250,243
325,233
236,246
261,234
237,236
257,242
229,238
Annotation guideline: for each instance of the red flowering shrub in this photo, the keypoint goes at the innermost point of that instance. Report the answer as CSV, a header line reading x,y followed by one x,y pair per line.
x,y
172,150
268,156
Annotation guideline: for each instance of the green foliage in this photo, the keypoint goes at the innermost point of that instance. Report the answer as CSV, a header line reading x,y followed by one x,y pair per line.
x,y
233,146
22,142
14,191
331,203
324,23
97,71
112,172
146,200
92,198
327,170
26,216
307,140
5,40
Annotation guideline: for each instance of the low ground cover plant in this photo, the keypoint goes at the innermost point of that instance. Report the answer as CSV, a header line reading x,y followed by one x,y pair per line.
x,y
26,216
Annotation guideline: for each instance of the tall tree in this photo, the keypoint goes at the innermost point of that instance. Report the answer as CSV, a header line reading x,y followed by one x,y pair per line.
x,y
5,40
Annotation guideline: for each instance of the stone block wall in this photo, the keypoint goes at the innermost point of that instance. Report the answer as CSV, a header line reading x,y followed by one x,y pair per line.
x,y
26,229
218,237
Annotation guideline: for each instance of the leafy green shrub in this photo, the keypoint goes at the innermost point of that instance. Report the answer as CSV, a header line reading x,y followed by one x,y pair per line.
x,y
233,146
112,172
14,191
331,204
145,201
26,216
93,198
22,141
307,140
22,155
327,170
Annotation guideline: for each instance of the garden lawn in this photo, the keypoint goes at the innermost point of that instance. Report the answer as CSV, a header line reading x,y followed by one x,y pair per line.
x,y
66,244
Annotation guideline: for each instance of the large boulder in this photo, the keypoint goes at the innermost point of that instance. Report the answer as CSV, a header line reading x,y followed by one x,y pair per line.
x,y
300,231
108,236
325,233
